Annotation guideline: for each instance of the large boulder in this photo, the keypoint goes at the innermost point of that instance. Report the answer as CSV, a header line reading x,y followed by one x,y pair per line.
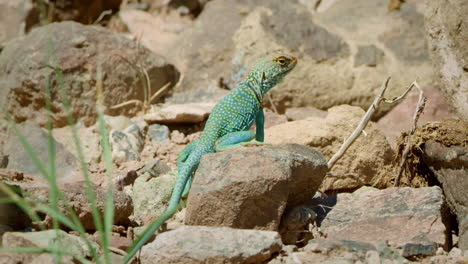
x,y
251,187
80,52
367,162
447,34
343,58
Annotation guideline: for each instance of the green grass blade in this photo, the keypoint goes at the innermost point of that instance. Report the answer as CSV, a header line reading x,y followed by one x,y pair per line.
x,y
107,157
89,189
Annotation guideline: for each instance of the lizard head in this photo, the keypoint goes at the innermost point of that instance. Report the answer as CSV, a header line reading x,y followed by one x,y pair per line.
x,y
271,70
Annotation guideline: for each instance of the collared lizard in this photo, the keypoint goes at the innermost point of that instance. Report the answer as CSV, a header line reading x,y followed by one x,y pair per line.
x,y
228,125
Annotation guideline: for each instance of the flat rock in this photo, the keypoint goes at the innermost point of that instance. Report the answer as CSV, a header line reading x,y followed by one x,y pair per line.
x,y
199,244
367,162
396,215
447,32
78,50
250,187
76,196
180,113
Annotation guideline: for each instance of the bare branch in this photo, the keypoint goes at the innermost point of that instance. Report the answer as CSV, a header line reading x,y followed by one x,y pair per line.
x,y
365,119
417,113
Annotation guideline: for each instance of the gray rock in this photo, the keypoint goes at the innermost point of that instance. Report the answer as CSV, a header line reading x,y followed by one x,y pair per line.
x,y
76,197
250,187
19,159
368,55
377,216
211,245
447,32
155,168
151,196
157,132
78,51
415,251
90,142
46,239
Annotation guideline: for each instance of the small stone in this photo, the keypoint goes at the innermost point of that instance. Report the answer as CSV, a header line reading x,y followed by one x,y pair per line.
x,y
178,137
413,251
441,251
158,132
182,113
127,144
455,253
372,257
289,248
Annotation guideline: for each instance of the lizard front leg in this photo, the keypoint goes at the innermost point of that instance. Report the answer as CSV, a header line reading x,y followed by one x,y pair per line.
x,y
240,138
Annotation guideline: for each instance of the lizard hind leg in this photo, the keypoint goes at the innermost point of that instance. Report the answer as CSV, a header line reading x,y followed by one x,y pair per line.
x,y
234,139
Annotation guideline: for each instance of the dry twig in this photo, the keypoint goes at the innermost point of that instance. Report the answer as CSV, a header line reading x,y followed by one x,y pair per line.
x,y
417,113
365,119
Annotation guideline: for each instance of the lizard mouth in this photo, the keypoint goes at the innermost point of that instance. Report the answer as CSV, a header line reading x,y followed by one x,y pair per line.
x,y
293,60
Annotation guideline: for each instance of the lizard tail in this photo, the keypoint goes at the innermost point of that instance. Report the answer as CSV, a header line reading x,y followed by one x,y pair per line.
x,y
185,171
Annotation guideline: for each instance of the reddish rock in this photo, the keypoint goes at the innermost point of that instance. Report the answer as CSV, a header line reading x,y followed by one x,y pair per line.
x,y
400,118
395,215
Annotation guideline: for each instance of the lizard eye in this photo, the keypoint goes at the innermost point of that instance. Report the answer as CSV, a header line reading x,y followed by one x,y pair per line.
x,y
281,60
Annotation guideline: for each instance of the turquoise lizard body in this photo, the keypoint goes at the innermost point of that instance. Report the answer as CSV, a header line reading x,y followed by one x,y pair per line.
x,y
228,125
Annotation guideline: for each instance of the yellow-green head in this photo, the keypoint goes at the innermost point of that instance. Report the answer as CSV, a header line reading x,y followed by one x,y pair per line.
x,y
270,70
